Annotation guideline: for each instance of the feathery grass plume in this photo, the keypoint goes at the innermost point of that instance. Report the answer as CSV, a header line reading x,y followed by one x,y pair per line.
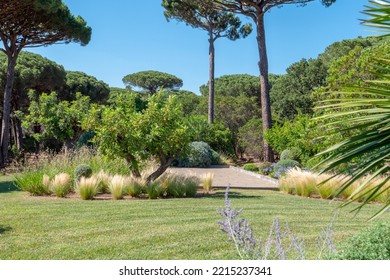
x,y
87,188
207,181
117,187
61,185
104,181
46,182
327,187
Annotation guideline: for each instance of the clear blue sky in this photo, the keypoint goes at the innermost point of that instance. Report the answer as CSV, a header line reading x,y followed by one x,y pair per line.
x,y
131,36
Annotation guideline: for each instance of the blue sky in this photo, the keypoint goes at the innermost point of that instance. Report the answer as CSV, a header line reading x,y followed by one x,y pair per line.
x,y
131,36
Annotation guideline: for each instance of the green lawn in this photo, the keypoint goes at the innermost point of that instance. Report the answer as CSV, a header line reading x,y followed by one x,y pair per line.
x,y
50,228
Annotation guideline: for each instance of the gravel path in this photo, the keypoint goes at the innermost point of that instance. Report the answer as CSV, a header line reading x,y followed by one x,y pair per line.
x,y
224,176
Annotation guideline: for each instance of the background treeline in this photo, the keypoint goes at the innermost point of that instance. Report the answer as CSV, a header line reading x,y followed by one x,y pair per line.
x,y
44,120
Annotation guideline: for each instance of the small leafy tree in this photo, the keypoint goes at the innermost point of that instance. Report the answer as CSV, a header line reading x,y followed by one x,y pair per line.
x,y
153,81
47,118
218,24
159,132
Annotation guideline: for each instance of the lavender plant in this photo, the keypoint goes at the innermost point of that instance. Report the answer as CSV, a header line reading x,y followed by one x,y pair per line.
x,y
280,244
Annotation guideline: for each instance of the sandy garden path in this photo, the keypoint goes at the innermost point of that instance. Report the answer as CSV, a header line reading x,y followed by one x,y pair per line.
x,y
236,178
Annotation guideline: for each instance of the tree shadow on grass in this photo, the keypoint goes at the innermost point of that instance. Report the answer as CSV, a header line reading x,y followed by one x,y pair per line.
x,y
4,229
8,186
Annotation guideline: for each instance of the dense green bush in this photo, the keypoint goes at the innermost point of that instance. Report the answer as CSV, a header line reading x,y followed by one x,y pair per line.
x,y
199,154
371,244
251,167
82,170
290,154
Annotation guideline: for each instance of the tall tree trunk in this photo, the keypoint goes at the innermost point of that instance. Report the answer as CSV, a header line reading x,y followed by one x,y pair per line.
x,y
211,78
5,129
265,98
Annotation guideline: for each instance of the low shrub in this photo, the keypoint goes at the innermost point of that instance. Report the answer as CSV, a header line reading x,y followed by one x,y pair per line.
x,y
82,170
87,188
251,167
371,244
280,168
61,185
265,168
290,155
207,181
32,182
199,154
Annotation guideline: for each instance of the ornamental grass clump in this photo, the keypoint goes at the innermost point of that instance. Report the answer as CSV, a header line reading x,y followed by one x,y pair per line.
x,y
299,182
134,186
32,182
87,188
155,190
104,181
178,186
117,187
61,185
207,181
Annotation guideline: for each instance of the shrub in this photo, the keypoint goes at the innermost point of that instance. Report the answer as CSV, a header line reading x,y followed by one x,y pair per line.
x,y
265,168
290,154
87,188
61,185
207,181
215,158
199,154
371,244
32,181
283,166
251,167
82,170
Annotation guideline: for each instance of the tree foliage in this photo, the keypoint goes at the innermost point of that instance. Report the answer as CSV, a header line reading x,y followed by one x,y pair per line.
x,y
87,85
33,23
216,22
153,81
49,118
291,93
159,132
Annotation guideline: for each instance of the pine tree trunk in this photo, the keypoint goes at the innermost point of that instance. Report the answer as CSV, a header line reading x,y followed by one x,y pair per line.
x,y
211,78
265,98
5,129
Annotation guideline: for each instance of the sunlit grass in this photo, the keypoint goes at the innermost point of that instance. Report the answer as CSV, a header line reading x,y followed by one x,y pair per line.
x,y
47,228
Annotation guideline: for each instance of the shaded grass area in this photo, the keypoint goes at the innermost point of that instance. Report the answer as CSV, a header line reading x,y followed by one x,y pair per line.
x,y
50,228
7,185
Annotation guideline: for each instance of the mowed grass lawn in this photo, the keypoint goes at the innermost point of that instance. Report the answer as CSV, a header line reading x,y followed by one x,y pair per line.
x,y
49,228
